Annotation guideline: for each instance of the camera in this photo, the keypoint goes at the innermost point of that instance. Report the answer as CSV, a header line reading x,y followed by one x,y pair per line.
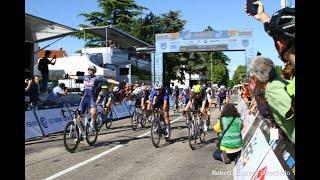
x,y
252,9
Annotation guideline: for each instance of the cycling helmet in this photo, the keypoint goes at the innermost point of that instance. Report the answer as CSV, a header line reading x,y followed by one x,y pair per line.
x,y
93,68
104,87
115,89
197,88
158,85
208,90
282,24
138,91
222,87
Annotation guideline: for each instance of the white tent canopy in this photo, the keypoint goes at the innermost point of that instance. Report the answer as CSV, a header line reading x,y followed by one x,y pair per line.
x,y
38,29
123,39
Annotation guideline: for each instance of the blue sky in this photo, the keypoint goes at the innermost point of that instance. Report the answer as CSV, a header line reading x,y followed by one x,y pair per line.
x,y
219,14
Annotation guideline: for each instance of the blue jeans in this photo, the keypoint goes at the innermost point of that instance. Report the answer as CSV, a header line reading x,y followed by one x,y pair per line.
x,y
232,156
45,79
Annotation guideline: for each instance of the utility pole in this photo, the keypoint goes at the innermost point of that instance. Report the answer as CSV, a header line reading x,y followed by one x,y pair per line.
x,y
211,66
154,54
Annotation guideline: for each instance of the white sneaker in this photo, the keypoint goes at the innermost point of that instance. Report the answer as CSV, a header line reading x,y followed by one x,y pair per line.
x,y
205,127
168,133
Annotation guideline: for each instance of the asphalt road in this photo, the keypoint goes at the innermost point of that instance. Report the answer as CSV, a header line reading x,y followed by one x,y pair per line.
x,y
121,153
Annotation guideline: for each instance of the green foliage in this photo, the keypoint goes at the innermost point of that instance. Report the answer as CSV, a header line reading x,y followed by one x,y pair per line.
x,y
239,74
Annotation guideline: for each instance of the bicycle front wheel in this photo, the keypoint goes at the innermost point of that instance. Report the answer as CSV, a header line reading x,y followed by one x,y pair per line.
x,y
91,134
109,120
192,135
155,132
71,137
202,133
134,120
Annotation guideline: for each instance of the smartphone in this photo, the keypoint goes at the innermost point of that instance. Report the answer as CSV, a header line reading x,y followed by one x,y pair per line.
x,y
252,9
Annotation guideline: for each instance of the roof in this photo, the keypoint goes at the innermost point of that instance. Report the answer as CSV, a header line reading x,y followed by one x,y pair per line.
x,y
58,53
123,39
38,29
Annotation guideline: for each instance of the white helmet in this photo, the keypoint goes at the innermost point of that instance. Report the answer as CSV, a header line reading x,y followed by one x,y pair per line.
x,y
208,90
222,87
158,85
115,89
137,91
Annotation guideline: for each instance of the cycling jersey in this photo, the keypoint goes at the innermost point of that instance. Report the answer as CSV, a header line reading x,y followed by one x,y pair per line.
x,y
90,86
158,100
197,102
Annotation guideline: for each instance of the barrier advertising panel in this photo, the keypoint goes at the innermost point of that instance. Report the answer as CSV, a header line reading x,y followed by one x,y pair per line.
x,y
251,156
52,120
120,110
270,169
32,128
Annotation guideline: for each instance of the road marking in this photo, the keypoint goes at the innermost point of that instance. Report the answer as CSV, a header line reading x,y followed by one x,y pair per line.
x,y
94,158
83,163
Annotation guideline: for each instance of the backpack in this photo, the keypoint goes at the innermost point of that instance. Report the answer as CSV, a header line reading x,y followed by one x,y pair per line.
x,y
41,66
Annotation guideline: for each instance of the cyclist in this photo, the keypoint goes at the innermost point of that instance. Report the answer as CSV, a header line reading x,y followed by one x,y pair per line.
x,y
198,100
209,95
90,82
159,98
175,95
222,95
104,98
186,94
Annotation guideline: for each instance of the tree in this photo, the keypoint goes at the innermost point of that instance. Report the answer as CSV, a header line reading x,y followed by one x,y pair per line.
x,y
118,13
239,74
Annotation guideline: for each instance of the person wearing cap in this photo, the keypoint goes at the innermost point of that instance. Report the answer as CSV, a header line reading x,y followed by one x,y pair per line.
x,y
88,100
43,68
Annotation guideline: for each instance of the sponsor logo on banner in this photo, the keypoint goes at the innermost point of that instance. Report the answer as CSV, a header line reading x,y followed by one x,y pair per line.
x,y
261,174
245,33
245,42
43,122
163,46
233,33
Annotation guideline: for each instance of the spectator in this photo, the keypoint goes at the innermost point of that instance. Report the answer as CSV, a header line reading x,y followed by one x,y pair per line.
x,y
231,142
32,89
288,72
43,67
281,27
57,93
263,74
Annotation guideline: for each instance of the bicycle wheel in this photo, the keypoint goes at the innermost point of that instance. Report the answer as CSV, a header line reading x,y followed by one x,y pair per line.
x,y
91,134
192,135
202,134
155,132
71,137
108,120
99,121
134,120
143,120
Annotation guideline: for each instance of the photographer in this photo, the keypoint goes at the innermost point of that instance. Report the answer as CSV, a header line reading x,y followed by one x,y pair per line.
x,y
43,67
57,93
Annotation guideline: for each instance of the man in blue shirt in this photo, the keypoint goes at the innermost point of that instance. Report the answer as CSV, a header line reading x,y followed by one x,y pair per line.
x,y
159,98
57,93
